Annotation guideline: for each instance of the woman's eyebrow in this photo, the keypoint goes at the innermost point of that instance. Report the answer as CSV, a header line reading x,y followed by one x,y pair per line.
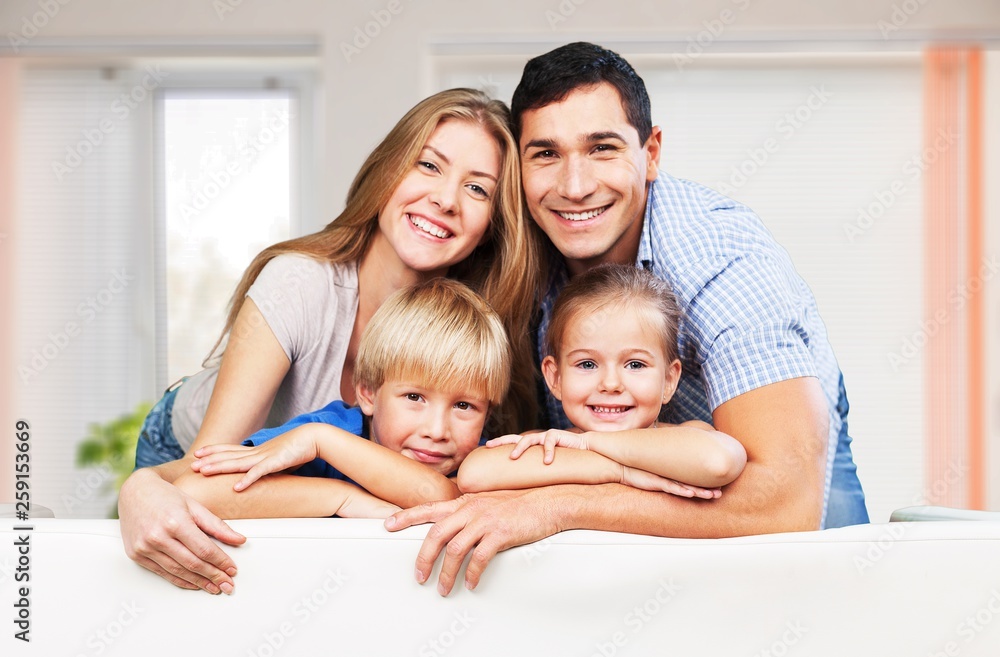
x,y
444,157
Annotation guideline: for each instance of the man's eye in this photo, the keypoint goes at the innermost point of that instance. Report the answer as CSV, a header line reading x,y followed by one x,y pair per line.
x,y
543,155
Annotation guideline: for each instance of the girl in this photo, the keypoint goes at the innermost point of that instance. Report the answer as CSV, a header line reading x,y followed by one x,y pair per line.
x,y
439,195
613,364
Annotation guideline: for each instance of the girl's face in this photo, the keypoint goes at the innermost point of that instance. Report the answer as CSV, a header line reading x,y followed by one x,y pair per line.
x,y
441,209
612,372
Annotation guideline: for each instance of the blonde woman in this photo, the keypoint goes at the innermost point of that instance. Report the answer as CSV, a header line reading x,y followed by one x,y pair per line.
x,y
440,195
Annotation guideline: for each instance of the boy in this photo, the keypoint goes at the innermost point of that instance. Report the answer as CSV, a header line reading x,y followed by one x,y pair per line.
x,y
432,363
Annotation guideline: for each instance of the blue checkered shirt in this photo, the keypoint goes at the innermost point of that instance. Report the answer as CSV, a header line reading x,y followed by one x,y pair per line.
x,y
747,318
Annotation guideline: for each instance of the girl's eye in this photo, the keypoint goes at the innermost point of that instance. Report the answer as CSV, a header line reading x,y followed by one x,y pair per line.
x,y
587,365
634,365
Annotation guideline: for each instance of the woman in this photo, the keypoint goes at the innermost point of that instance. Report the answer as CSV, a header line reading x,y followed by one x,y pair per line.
x,y
440,195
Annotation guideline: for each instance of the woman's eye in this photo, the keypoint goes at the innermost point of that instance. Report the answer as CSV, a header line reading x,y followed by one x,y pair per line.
x,y
479,191
430,166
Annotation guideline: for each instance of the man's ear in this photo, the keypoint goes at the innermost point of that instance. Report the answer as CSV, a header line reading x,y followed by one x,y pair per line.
x,y
673,378
550,370
653,148
366,398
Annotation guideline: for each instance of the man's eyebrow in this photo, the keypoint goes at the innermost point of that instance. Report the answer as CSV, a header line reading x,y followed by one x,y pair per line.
x,y
539,143
604,136
481,174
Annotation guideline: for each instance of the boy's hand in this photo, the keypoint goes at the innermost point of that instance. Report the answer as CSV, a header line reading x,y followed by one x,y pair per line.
x,y
286,451
637,478
548,439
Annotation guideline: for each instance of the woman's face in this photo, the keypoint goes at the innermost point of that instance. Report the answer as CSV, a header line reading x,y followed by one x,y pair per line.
x,y
441,209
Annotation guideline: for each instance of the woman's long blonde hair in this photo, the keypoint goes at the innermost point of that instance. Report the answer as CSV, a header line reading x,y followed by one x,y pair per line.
x,y
503,269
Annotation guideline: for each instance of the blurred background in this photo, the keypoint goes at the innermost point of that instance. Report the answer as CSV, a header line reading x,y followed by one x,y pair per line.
x,y
149,149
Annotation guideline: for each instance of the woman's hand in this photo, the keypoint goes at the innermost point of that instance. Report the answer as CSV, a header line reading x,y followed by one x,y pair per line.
x,y
641,479
548,439
167,532
286,451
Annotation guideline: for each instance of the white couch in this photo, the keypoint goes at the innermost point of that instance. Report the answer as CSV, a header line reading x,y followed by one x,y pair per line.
x,y
346,587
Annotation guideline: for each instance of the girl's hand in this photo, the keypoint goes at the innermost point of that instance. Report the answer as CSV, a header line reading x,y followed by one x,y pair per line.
x,y
637,478
548,439
286,451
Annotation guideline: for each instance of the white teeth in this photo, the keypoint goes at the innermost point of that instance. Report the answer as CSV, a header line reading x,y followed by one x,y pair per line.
x,y
580,216
610,409
428,227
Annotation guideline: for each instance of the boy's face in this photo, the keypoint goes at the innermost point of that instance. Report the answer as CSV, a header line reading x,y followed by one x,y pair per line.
x,y
612,373
435,427
584,172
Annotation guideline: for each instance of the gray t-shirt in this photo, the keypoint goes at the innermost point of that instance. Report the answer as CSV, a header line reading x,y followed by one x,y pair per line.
x,y
310,307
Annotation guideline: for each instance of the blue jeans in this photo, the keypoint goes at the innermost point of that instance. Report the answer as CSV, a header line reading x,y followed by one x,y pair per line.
x,y
846,505
157,443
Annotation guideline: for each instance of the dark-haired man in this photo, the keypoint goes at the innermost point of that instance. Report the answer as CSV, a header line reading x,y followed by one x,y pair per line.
x,y
757,362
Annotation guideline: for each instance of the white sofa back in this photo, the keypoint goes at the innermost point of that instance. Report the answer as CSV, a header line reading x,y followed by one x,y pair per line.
x,y
346,587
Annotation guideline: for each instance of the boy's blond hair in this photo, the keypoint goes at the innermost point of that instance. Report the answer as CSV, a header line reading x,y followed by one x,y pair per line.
x,y
439,334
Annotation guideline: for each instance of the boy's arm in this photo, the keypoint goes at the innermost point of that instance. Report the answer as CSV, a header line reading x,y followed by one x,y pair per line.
x,y
409,483
692,452
284,496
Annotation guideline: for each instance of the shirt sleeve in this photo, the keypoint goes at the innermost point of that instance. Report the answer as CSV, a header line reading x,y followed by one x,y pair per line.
x,y
749,324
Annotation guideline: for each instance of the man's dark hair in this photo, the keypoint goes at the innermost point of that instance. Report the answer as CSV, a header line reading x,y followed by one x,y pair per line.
x,y
551,77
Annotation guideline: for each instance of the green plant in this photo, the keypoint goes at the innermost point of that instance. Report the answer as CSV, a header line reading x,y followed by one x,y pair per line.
x,y
113,445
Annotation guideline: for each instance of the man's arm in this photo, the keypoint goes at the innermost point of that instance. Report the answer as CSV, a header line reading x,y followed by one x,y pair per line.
x,y
782,426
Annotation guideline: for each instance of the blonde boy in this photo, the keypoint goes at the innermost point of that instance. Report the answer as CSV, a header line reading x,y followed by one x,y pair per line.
x,y
431,364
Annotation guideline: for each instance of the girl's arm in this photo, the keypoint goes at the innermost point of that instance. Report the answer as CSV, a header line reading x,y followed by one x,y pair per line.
x,y
382,472
488,469
692,452
284,496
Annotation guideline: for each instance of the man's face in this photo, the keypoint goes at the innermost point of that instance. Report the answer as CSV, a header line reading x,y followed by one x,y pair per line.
x,y
585,174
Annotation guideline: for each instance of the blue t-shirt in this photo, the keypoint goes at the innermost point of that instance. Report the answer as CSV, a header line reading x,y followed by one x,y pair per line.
x,y
337,414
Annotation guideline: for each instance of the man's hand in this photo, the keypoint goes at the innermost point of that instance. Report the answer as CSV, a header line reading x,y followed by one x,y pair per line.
x,y
167,532
480,523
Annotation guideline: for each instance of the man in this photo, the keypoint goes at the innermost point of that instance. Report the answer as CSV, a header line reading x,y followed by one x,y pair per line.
x,y
757,362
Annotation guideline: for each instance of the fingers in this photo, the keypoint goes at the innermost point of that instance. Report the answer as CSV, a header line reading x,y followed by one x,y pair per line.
x,y
523,443
154,567
226,462
455,540
550,448
508,439
253,474
419,515
212,525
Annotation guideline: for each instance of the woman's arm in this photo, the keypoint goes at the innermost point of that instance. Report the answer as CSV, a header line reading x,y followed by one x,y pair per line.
x,y
284,496
163,529
382,472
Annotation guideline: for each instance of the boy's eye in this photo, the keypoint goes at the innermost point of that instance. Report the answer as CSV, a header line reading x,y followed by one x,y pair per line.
x,y
412,396
463,405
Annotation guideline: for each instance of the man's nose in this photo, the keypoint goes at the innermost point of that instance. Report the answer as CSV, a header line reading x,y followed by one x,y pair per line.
x,y
576,179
